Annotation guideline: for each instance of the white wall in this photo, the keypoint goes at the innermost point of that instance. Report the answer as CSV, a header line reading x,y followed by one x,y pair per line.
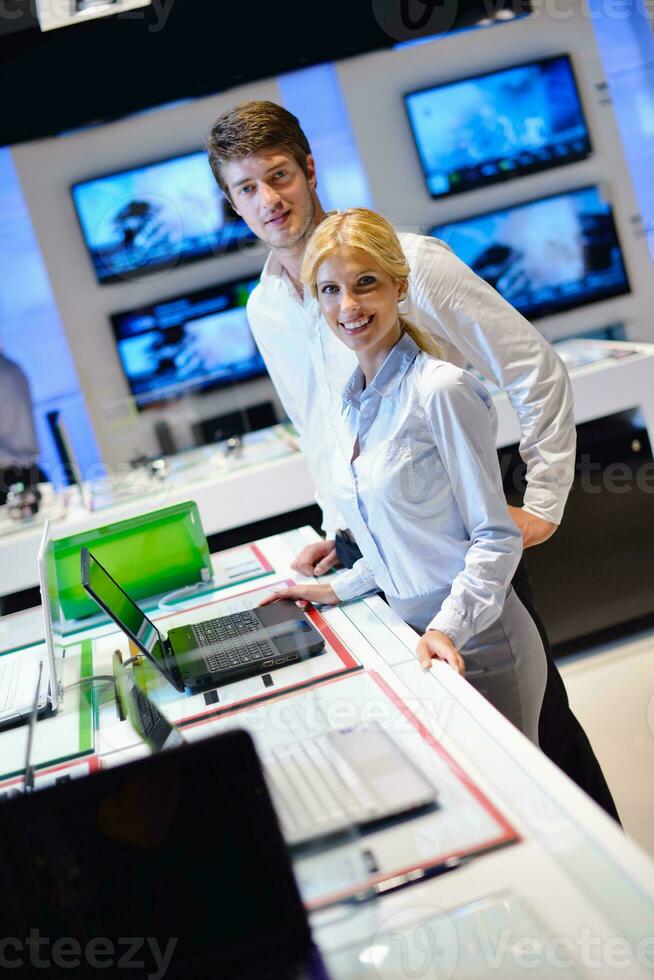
x,y
373,86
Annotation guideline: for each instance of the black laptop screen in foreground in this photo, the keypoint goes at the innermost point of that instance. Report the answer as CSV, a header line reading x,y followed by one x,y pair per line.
x,y
181,849
124,612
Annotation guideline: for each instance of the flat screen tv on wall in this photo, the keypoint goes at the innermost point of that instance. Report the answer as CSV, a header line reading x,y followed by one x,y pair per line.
x,y
156,216
546,256
499,125
194,342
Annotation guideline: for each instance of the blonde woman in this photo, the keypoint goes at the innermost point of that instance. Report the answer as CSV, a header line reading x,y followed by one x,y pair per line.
x,y
416,477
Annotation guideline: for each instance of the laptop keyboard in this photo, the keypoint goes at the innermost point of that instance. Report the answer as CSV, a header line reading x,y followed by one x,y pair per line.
x,y
323,783
9,676
149,723
314,788
147,717
234,641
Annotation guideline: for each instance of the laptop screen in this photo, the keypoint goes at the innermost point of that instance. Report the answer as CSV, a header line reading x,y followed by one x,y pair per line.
x,y
47,586
181,849
125,613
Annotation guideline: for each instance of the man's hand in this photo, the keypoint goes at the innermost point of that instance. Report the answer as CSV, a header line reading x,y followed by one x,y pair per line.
x,y
437,645
323,595
316,558
534,529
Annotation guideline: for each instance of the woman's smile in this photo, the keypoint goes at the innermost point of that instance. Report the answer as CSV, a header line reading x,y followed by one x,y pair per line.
x,y
356,327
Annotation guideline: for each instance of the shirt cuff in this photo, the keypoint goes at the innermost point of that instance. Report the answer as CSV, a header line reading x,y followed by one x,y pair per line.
x,y
355,583
453,626
543,502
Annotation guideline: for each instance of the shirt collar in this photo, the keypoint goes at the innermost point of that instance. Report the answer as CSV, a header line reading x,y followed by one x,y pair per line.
x,y
389,376
273,269
354,389
272,266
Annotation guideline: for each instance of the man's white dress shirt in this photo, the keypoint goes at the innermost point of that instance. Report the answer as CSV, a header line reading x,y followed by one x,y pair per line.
x,y
309,366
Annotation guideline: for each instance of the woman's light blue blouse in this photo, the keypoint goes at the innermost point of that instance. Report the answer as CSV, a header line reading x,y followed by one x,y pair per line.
x,y
424,498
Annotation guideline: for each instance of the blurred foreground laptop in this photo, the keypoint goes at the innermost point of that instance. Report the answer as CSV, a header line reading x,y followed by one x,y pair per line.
x,y
19,669
181,850
218,651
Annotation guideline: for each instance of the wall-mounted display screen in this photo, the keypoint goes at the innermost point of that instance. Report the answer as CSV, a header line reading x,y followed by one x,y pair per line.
x,y
504,124
156,216
193,342
546,256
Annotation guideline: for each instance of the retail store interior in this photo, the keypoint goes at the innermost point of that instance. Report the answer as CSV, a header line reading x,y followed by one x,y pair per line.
x,y
520,134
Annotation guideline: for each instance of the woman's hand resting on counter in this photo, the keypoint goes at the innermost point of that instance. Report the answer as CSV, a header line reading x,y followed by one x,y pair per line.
x,y
316,558
322,595
435,645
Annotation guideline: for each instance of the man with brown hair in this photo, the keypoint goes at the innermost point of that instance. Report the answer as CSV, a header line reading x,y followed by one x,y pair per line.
x,y
262,161
272,187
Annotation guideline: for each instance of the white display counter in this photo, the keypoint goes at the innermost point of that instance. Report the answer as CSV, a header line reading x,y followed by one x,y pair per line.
x,y
562,894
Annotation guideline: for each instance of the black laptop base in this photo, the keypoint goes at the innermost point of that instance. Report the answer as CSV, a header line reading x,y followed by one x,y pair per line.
x,y
246,644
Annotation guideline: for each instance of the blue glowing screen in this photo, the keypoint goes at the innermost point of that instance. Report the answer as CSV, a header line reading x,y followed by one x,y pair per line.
x,y
482,130
193,342
156,216
546,256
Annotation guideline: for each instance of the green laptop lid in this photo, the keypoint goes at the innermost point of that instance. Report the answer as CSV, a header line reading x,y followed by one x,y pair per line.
x,y
150,555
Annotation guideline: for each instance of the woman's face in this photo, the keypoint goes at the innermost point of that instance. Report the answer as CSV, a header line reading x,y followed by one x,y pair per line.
x,y
359,300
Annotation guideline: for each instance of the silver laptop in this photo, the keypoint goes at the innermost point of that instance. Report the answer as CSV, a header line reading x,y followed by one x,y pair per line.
x,y
322,786
343,780
19,670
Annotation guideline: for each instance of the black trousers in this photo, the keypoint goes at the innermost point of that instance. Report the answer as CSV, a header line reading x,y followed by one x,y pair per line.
x,y
560,735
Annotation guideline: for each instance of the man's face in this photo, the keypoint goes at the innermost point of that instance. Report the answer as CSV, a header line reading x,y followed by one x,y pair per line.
x,y
274,196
